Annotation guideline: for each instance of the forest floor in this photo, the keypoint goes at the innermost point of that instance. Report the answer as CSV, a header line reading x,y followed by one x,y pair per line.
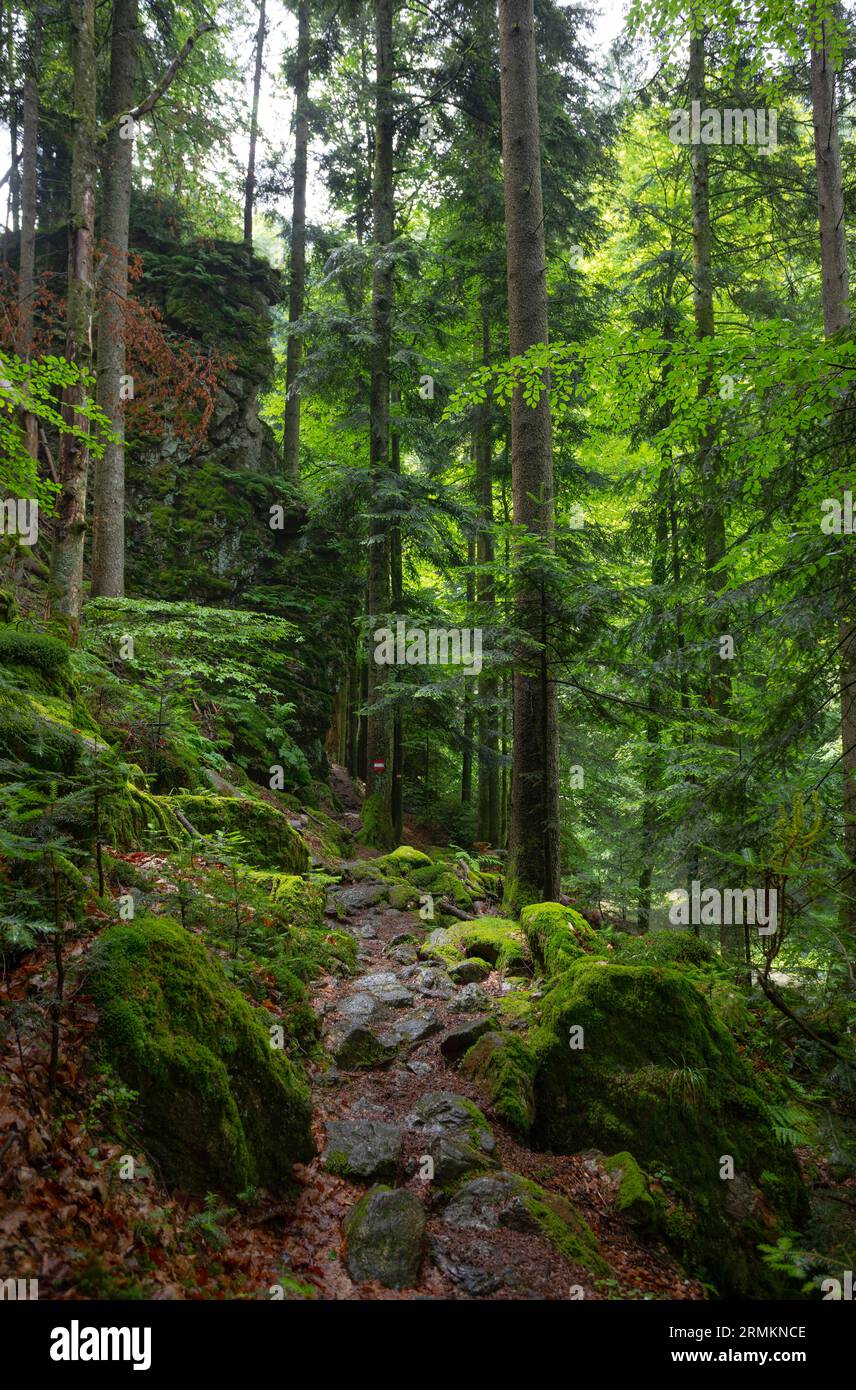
x,y
68,1221
480,1260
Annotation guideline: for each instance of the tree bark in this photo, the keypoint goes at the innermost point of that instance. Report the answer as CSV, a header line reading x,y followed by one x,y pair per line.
x,y
250,181
836,319
719,681
488,740
108,526
27,261
534,859
397,588
377,814
70,526
11,78
297,275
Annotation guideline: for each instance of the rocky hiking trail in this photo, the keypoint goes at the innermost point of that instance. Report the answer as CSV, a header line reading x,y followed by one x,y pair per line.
x,y
417,1190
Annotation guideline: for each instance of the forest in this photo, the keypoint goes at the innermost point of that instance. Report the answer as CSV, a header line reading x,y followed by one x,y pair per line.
x,y
427,655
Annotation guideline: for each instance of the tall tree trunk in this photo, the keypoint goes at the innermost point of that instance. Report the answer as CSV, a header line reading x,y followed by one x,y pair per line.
x,y
469,716
27,261
11,78
108,522
836,319
534,860
488,741
719,681
297,271
397,588
250,181
377,817
713,517
70,528
653,764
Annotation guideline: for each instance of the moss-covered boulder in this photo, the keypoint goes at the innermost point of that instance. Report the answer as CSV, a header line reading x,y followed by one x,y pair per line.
x,y
296,902
269,841
493,939
506,1068
218,1108
384,1238
655,1073
556,936
634,1198
35,660
403,858
507,1199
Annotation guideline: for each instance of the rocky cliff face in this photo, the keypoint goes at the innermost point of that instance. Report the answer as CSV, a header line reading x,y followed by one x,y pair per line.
x,y
219,296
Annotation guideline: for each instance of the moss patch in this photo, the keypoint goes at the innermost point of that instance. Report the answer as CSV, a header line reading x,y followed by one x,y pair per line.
x,y
633,1199
269,841
556,936
665,947
506,1068
493,939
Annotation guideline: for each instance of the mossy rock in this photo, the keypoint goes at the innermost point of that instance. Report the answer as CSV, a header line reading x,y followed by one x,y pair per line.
x,y
506,1068
270,842
402,896
633,1197
35,660
492,939
659,1076
297,903
219,1108
405,858
509,1200
556,936
666,947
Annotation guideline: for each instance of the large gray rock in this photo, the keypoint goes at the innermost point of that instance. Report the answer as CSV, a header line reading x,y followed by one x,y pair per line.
x,y
471,999
413,1028
387,989
384,1238
355,896
367,1149
429,980
460,1039
360,1007
444,1113
454,1156
486,1203
354,1045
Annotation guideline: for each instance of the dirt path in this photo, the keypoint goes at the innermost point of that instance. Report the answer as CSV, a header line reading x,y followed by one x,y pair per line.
x,y
396,1114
